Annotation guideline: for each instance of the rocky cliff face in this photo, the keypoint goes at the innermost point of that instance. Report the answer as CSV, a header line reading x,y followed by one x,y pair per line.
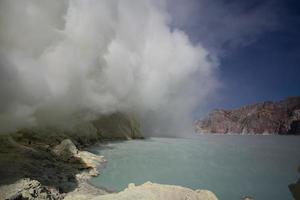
x,y
281,117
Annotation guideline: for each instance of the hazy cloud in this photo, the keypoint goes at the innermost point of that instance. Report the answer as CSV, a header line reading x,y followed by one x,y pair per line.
x,y
60,59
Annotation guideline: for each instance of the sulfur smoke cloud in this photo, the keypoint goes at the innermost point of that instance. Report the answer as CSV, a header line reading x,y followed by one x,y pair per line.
x,y
62,61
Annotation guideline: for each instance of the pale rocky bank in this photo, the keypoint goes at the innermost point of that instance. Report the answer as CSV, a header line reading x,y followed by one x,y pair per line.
x,y
282,117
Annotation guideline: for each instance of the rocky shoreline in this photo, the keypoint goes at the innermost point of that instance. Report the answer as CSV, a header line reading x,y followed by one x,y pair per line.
x,y
145,191
51,163
39,154
30,189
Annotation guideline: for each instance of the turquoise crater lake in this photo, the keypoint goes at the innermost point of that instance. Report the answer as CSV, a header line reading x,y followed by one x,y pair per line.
x,y
231,166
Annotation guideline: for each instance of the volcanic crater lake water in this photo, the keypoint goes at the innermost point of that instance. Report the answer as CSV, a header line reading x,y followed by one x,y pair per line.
x,y
231,166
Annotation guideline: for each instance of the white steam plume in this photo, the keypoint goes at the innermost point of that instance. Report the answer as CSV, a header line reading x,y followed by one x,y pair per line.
x,y
60,59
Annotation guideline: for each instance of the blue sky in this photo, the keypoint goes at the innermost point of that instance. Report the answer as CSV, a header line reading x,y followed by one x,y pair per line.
x,y
257,44
268,69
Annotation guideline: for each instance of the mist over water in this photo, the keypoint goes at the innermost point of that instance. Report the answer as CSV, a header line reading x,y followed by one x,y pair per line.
x,y
65,61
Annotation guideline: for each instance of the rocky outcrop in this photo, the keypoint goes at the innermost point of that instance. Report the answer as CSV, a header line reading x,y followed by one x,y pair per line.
x,y
82,165
281,117
66,150
28,189
153,191
20,159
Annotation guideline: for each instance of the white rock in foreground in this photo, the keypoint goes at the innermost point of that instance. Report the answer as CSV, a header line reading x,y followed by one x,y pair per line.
x,y
153,191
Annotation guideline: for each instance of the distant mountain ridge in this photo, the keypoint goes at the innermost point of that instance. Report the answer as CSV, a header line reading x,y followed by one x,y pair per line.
x,y
282,117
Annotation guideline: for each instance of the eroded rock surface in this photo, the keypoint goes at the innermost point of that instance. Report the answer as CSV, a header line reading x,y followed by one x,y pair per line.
x,y
66,150
153,191
281,117
28,189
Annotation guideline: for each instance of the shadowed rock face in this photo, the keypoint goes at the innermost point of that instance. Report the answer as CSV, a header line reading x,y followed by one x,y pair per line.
x,y
46,154
281,117
28,189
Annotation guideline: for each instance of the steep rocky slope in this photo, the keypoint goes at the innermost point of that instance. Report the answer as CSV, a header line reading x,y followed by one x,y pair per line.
x,y
281,117
32,152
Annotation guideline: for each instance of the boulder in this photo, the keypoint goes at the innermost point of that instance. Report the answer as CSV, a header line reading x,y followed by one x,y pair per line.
x,y
66,150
